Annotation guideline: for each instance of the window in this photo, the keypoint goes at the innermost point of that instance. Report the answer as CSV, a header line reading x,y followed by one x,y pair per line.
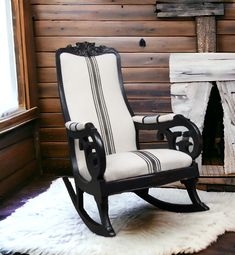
x,y
8,75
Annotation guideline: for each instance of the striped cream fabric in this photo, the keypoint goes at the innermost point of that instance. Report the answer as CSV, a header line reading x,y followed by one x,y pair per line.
x,y
135,163
74,126
151,119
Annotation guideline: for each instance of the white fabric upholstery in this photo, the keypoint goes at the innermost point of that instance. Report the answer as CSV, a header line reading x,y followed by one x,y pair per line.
x,y
79,93
93,94
130,164
151,119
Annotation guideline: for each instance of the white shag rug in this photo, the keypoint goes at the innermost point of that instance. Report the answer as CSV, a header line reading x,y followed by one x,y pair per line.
x,y
49,225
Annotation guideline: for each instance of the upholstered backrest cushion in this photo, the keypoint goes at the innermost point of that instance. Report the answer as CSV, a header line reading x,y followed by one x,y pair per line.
x,y
93,94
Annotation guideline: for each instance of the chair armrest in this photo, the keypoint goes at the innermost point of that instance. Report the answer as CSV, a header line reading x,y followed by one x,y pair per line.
x,y
153,119
180,133
74,126
91,143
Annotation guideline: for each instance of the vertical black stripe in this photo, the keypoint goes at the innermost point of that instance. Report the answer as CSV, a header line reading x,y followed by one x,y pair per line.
x,y
96,103
100,105
104,107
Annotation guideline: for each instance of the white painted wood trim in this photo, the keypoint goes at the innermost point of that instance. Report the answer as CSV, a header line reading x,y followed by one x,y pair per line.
x,y
191,67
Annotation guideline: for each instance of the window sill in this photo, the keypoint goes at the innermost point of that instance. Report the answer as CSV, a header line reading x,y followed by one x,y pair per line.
x,y
18,119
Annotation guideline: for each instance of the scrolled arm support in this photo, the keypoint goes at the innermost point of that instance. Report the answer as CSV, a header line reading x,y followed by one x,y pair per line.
x,y
188,140
91,143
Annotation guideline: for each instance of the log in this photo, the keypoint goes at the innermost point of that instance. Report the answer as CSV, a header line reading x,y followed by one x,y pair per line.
x,y
206,34
189,67
169,10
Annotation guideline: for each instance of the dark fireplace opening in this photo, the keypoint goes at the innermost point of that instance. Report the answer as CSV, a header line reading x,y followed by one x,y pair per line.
x,y
213,131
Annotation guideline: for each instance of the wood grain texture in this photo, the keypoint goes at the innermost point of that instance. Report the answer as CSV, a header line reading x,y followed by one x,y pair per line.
x,y
114,28
122,44
18,179
226,43
12,137
206,34
226,27
229,11
16,156
94,12
95,2
51,120
192,9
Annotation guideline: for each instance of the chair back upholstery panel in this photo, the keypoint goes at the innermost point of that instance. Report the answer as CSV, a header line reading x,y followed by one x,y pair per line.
x,y
122,125
92,92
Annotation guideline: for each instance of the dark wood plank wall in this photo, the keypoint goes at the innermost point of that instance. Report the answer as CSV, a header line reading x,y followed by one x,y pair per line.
x,y
17,157
226,29
119,24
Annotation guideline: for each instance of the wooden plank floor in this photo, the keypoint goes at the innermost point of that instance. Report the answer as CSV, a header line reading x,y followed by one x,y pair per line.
x,y
225,244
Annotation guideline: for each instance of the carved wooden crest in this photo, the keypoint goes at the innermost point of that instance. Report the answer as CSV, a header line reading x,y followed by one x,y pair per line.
x,y
86,49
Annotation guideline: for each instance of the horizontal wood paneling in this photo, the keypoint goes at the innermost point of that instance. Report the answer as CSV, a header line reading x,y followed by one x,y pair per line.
x,y
47,59
114,28
229,11
60,166
93,12
11,138
122,44
16,156
55,149
17,179
226,43
226,27
51,120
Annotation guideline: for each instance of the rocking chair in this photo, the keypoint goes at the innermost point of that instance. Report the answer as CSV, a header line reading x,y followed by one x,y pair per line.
x,y
103,137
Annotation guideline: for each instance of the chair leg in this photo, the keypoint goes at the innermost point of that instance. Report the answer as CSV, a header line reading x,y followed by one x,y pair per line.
x,y
104,215
196,205
103,229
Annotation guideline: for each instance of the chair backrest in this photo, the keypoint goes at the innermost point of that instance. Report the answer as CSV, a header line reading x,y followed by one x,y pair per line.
x,y
91,90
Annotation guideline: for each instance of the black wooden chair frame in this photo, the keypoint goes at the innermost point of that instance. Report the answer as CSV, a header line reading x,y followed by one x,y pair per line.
x,y
91,143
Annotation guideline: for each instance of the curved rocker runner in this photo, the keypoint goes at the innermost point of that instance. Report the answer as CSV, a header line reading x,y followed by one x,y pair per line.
x,y
103,137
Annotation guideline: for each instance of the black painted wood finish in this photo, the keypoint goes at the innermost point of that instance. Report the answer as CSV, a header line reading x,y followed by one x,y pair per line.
x,y
90,141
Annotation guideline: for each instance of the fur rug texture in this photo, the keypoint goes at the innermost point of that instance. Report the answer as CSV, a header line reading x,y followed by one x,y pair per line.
x,y
49,225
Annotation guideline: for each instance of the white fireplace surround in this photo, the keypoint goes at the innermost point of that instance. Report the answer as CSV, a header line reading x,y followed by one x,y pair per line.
x,y
191,77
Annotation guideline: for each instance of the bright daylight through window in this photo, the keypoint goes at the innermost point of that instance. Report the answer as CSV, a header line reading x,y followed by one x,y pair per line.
x,y
8,77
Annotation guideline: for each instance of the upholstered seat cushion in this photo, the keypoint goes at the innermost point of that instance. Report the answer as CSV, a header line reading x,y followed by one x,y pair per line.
x,y
129,164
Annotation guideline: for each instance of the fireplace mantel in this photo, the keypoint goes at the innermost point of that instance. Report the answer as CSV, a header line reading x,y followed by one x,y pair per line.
x,y
191,67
